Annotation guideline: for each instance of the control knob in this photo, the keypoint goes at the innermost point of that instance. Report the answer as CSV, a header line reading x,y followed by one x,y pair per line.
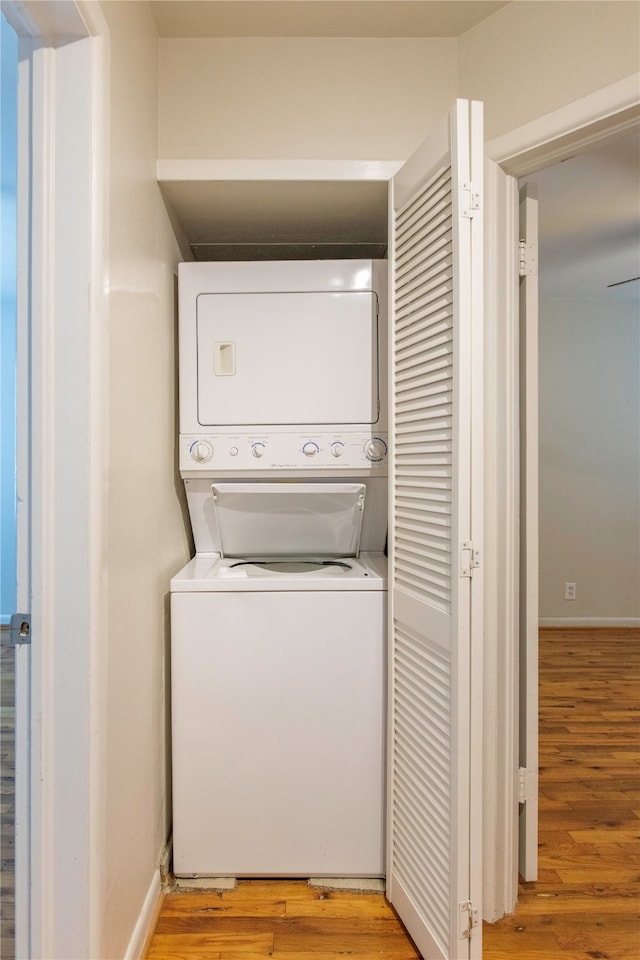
x,y
310,448
201,451
375,449
337,448
258,449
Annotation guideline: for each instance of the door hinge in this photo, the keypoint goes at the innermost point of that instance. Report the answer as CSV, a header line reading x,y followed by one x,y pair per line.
x,y
469,200
528,259
468,919
527,784
20,628
469,558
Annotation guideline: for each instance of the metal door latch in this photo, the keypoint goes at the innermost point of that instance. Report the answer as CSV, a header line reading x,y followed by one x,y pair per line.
x,y
20,628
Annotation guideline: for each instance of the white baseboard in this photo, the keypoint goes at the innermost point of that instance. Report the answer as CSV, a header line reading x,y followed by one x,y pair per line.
x,y
589,622
146,920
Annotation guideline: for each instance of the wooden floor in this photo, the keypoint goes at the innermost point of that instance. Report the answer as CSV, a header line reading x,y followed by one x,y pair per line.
x,y
586,903
285,920
7,806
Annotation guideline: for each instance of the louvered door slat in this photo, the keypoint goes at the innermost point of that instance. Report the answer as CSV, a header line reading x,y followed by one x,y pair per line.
x,y
428,406
425,213
430,287
426,411
433,560
436,378
422,749
440,342
441,248
426,322
441,251
439,183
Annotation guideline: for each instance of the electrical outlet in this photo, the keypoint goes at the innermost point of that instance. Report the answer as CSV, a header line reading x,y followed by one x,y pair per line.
x,y
569,591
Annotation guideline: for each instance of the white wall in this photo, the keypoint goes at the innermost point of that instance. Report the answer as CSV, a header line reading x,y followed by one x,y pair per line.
x,y
354,98
530,58
346,99
589,458
146,536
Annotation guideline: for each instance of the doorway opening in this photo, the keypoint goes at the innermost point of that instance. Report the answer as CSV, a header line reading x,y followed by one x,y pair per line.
x,y
521,153
580,457
589,253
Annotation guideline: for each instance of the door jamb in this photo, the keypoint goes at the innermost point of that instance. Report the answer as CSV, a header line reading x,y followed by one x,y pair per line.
x,y
60,302
520,152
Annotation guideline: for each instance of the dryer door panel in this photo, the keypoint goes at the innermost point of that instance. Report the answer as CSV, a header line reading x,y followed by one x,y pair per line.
x,y
287,358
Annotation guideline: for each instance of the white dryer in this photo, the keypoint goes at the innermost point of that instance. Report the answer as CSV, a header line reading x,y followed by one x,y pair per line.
x,y
278,688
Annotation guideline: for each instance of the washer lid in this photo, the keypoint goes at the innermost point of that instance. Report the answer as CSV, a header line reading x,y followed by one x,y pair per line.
x,y
261,520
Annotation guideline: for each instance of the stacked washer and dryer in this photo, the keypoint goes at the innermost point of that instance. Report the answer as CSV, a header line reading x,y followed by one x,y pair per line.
x,y
279,621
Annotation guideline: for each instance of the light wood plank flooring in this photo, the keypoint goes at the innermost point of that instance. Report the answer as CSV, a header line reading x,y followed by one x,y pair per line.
x,y
7,805
586,904
282,919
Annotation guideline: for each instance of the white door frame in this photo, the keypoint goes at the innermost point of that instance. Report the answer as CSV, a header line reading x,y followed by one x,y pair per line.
x,y
61,355
521,152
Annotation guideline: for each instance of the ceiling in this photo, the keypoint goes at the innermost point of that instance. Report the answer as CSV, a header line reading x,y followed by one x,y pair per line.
x,y
320,18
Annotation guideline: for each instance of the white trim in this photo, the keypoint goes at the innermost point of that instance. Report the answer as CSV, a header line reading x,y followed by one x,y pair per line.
x,y
63,118
62,574
518,153
476,651
528,557
576,126
52,22
571,622
186,170
33,666
501,509
97,458
146,921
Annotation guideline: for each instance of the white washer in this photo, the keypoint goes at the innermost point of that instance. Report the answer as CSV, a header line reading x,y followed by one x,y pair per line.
x,y
278,683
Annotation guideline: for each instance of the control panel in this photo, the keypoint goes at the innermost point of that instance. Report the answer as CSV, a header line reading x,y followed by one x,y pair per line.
x,y
285,451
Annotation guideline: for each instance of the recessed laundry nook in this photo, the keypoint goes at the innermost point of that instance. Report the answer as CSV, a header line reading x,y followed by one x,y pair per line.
x,y
278,651
347,712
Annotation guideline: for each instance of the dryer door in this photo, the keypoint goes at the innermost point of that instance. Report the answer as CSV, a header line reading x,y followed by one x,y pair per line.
x,y
275,359
260,520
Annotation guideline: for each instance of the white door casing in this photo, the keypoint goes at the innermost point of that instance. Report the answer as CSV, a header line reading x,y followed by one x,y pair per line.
x,y
435,629
518,153
528,652
61,352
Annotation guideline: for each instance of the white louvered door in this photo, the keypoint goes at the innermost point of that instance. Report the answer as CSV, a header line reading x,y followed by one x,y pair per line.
x,y
435,717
